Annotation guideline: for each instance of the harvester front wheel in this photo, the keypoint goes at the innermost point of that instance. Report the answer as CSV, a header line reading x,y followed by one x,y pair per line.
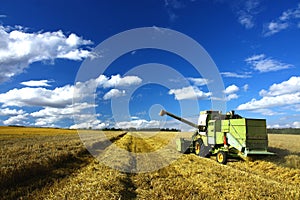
x,y
222,157
198,147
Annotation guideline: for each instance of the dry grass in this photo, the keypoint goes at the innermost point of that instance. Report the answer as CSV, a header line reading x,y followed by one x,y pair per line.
x,y
35,156
284,141
287,148
189,177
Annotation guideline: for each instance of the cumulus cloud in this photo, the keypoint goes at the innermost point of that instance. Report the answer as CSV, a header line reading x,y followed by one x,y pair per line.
x,y
36,83
231,89
9,112
139,123
289,18
199,81
114,93
286,87
19,120
62,96
296,124
281,94
94,124
27,96
246,87
19,49
230,92
267,102
231,96
81,111
118,81
262,63
189,92
57,104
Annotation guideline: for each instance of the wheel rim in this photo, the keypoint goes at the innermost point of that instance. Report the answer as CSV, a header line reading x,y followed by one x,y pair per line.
x,y
197,148
220,157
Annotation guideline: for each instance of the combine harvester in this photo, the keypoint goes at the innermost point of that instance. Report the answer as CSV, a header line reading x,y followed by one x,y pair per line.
x,y
225,136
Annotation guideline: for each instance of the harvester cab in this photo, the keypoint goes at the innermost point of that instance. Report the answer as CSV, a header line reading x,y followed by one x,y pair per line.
x,y
224,135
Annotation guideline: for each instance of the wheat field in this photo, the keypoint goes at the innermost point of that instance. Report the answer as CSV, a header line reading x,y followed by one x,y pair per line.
x,y
45,163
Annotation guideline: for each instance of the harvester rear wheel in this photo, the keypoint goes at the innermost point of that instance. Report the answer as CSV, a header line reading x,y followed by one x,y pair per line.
x,y
222,157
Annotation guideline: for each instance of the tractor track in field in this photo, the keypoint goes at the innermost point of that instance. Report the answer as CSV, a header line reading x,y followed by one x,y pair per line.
x,y
134,180
103,144
129,191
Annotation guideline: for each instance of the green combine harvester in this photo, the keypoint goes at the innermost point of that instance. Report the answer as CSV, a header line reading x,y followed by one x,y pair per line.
x,y
225,136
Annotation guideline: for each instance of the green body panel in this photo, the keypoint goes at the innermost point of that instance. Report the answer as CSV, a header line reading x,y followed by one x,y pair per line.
x,y
219,138
214,134
243,134
250,133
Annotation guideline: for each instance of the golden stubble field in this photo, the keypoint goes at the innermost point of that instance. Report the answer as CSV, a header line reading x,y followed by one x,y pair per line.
x,y
42,163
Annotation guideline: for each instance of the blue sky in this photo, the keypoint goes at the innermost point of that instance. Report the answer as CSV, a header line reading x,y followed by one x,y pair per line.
x,y
254,44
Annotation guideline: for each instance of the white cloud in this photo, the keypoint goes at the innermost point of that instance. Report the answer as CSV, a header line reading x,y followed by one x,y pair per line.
x,y
139,123
288,18
275,27
281,94
246,20
94,124
255,58
247,12
234,75
231,96
17,120
114,93
62,96
231,89
267,112
57,104
188,93
246,87
19,49
286,87
36,83
230,92
296,124
199,81
118,81
58,98
267,102
171,7
263,64
9,112
69,110
49,117
278,126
